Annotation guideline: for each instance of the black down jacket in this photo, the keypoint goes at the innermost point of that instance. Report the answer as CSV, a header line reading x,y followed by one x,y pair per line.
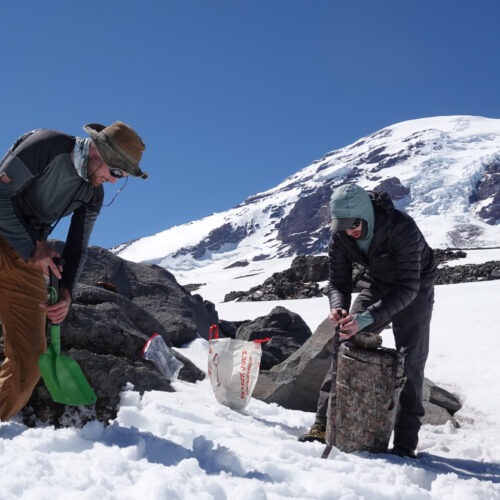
x,y
399,264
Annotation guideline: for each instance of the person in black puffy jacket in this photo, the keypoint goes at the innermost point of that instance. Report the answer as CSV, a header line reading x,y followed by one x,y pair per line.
x,y
397,286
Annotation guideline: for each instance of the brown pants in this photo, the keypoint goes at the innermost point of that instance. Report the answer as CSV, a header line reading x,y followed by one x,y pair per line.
x,y
22,289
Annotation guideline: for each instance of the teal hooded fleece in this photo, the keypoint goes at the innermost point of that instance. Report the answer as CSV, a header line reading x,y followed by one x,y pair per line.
x,y
352,201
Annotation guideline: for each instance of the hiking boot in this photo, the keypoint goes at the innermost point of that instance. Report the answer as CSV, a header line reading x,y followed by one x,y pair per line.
x,y
316,433
403,452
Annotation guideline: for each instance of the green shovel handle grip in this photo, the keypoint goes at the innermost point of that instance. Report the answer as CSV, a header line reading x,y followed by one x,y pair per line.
x,y
55,338
53,288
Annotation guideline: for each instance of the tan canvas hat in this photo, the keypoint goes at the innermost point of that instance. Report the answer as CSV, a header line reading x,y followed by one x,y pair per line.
x,y
119,145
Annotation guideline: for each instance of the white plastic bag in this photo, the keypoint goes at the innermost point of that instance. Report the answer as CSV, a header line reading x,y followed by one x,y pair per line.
x,y
161,355
233,368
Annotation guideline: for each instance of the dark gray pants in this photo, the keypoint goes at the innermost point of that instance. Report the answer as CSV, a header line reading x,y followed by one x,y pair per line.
x,y
411,334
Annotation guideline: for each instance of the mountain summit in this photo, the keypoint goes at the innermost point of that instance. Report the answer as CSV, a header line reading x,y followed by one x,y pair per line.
x,y
443,171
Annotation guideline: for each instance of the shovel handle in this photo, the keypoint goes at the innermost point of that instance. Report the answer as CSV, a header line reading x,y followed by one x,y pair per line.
x,y
55,338
54,282
53,293
53,288
55,330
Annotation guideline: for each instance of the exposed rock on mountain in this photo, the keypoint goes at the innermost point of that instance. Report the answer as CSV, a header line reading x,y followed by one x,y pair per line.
x,y
306,227
220,237
488,191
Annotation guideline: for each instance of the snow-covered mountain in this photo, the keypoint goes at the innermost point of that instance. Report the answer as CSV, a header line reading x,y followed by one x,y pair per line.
x,y
443,171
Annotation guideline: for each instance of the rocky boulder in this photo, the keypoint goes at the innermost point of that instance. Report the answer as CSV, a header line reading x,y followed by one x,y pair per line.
x,y
286,330
149,288
300,281
295,382
116,308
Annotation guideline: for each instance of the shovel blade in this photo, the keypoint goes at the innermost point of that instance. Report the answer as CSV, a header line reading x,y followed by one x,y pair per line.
x,y
65,380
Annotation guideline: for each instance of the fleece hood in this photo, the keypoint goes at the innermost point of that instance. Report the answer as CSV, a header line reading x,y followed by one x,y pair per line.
x,y
351,201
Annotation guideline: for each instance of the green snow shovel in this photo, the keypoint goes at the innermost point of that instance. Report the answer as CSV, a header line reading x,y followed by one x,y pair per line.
x,y
62,375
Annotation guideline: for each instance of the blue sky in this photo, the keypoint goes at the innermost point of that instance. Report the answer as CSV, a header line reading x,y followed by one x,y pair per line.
x,y
230,96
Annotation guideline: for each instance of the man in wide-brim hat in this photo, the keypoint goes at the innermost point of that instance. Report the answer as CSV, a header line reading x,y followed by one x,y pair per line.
x,y
45,176
119,146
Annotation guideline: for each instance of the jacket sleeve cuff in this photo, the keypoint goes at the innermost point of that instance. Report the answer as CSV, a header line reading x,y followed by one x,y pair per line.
x,y
364,319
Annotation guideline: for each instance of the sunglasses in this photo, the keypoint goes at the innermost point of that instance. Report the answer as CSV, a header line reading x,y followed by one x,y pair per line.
x,y
355,224
116,173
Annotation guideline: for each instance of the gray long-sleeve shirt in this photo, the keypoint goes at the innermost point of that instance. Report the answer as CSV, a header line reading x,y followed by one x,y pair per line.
x,y
46,187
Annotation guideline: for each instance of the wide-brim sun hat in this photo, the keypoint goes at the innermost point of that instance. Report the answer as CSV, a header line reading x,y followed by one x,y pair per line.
x,y
119,146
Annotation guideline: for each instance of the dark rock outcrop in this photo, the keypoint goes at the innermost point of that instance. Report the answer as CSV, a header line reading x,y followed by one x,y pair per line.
x,y
108,375
488,187
300,281
116,307
148,288
468,273
444,255
286,330
303,278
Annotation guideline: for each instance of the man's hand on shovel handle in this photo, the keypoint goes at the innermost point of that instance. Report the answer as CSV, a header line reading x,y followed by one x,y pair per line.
x,y
57,312
45,257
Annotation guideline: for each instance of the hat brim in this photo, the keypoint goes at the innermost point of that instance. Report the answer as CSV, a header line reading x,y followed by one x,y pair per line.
x,y
109,154
342,224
